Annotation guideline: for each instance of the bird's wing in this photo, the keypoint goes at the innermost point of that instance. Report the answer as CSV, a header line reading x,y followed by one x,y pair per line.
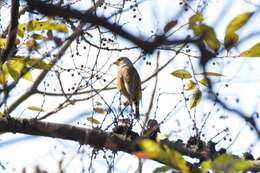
x,y
132,83
122,82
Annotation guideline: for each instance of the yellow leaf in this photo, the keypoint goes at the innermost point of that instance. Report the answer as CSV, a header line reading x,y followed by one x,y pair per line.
x,y
190,84
177,159
15,68
205,166
204,82
239,21
28,76
212,74
195,98
2,114
151,148
252,52
181,73
36,108
99,110
2,42
3,76
58,27
169,25
231,38
93,120
40,26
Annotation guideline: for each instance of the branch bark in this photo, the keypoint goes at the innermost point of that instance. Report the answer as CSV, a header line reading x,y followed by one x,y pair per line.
x,y
10,44
66,13
98,138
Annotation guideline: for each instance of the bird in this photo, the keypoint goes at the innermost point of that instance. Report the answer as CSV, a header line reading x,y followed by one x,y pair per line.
x,y
128,83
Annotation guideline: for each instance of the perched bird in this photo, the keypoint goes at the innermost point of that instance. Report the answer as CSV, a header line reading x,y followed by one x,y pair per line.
x,y
129,83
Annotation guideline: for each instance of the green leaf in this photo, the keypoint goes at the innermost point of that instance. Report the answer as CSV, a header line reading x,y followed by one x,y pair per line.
x,y
190,85
35,108
38,63
209,36
169,25
205,166
204,82
231,38
151,149
161,169
212,74
181,73
252,52
241,165
15,68
206,32
195,22
93,120
195,98
226,162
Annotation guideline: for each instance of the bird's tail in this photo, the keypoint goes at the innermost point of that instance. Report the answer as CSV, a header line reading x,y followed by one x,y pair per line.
x,y
137,114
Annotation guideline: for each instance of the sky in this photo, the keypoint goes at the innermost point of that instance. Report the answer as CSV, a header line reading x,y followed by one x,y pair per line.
x,y
238,87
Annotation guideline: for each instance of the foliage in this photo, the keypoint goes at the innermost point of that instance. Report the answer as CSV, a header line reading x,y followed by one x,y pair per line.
x,y
64,50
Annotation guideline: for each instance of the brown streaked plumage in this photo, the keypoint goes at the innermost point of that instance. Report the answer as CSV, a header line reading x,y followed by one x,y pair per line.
x,y
129,82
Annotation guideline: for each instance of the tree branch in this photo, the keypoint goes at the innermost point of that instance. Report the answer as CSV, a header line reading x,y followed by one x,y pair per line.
x,y
10,44
66,13
98,139
39,79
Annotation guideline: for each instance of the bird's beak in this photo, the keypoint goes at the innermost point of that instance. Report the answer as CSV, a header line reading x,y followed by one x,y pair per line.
x,y
115,63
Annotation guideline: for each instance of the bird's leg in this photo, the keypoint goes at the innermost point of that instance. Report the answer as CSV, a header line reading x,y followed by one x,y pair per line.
x,y
132,112
119,108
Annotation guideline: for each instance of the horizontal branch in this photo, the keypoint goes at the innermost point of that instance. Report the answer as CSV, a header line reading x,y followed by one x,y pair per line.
x,y
96,138
93,137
